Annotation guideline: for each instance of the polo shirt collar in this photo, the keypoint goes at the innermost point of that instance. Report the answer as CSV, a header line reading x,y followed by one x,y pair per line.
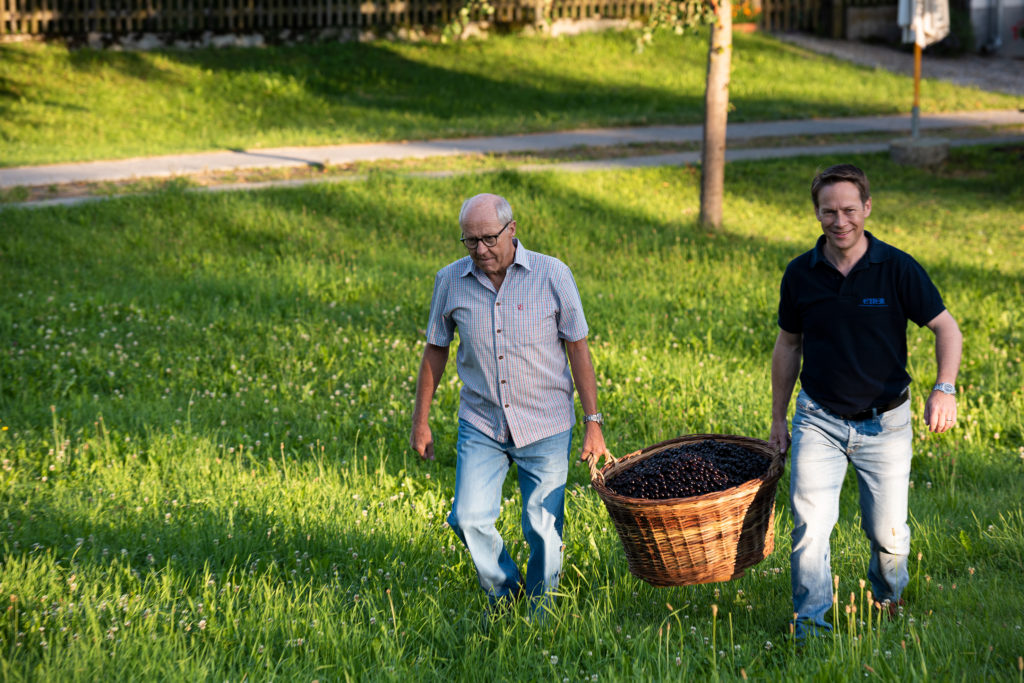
x,y
878,250
522,258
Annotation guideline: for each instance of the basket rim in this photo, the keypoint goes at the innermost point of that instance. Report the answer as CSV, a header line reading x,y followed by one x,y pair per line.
x,y
775,459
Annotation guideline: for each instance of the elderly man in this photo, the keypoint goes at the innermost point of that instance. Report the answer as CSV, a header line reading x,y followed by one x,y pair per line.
x,y
519,315
843,309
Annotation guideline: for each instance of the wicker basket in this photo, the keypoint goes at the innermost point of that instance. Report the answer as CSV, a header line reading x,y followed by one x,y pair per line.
x,y
700,539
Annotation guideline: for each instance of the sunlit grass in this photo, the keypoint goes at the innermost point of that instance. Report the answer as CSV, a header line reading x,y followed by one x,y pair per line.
x,y
223,487
58,105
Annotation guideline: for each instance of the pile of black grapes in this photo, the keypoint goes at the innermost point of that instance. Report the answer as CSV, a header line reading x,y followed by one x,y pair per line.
x,y
689,470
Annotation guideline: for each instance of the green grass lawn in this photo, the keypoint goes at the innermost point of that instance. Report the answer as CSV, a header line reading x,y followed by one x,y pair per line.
x,y
204,408
57,105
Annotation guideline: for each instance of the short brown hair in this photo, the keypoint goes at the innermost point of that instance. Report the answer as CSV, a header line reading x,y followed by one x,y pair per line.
x,y
841,173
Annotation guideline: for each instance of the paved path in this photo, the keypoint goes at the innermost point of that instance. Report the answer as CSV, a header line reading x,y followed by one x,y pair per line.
x,y
282,157
994,72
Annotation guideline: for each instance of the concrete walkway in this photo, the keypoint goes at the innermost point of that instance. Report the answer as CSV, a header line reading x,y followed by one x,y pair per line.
x,y
995,73
297,157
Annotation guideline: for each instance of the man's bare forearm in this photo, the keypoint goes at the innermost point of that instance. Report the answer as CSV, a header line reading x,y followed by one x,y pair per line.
x,y
435,358
583,376
949,343
785,370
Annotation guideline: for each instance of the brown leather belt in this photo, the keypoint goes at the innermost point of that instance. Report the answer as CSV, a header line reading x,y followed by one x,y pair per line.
x,y
878,410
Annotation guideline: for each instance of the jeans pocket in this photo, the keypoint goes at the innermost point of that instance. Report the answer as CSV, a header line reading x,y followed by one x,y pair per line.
x,y
896,419
807,404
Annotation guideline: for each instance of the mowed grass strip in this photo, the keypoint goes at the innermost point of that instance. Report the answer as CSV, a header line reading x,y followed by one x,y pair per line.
x,y
60,106
204,405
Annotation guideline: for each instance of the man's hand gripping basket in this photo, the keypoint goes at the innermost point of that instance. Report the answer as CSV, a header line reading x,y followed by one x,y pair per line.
x,y
700,539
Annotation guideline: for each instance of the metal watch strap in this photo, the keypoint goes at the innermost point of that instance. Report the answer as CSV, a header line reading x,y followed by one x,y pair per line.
x,y
596,417
945,387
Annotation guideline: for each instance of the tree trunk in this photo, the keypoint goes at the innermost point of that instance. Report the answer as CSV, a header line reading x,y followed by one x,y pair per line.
x,y
716,113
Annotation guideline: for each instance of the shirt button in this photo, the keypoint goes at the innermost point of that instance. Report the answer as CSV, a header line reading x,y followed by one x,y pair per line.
x,y
498,304
503,381
506,405
501,357
498,331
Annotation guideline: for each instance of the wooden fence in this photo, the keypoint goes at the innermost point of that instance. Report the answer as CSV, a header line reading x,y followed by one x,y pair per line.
x,y
69,17
789,15
840,19
77,17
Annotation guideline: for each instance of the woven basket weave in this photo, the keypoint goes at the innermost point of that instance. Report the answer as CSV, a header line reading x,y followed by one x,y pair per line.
x,y
700,539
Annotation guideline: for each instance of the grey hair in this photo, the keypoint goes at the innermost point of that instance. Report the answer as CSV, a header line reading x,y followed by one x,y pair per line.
x,y
502,208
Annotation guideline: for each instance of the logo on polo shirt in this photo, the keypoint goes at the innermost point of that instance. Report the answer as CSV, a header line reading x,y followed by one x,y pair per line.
x,y
874,302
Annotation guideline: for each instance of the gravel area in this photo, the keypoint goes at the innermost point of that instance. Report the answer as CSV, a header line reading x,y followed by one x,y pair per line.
x,y
997,74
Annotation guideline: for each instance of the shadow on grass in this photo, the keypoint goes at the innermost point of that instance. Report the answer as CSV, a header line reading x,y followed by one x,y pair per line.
x,y
231,264
263,563
136,65
361,258
247,539
10,89
370,91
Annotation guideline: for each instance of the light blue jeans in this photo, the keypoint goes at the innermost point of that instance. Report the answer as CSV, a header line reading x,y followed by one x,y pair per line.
x,y
880,451
480,470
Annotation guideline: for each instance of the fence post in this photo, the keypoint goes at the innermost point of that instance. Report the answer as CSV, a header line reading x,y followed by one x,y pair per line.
x,y
838,19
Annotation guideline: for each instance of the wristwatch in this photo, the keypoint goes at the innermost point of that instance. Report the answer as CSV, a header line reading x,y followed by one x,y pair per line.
x,y
596,417
945,387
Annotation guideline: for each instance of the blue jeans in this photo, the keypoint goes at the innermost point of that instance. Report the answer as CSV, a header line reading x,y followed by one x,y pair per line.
x,y
479,474
879,449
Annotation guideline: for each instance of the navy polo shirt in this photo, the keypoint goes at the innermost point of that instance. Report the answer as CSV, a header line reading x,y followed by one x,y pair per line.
x,y
855,327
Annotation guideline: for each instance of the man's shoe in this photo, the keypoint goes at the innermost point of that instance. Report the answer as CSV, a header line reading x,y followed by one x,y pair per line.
x,y
805,630
891,610
501,610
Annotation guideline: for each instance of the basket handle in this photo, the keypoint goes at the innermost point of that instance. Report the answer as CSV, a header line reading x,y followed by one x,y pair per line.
x,y
596,474
777,465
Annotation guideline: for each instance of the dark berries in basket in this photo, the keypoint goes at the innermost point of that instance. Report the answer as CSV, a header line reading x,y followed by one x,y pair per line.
x,y
689,470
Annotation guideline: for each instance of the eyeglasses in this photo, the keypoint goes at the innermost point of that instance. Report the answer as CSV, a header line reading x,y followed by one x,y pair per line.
x,y
488,240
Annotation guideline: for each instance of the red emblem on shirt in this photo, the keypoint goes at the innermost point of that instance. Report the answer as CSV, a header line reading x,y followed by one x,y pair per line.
x,y
520,307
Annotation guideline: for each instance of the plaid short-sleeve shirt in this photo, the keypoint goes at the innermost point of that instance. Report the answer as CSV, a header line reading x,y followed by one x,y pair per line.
x,y
516,379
